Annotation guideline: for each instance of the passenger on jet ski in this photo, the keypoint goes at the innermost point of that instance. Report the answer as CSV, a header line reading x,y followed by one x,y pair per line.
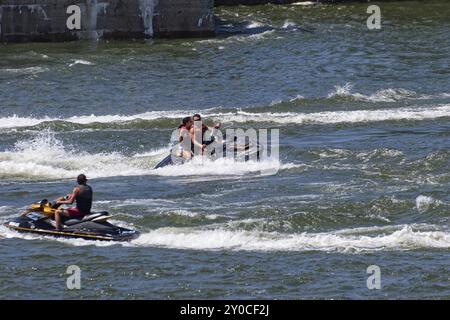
x,y
187,139
196,138
82,195
196,134
199,129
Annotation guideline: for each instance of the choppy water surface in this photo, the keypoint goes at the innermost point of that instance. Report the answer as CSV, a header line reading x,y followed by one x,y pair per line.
x,y
364,169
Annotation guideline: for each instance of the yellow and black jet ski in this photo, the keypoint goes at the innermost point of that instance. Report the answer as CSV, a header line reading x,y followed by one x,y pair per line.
x,y
39,219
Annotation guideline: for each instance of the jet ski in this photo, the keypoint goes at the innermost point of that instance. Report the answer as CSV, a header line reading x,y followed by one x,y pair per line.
x,y
242,152
38,219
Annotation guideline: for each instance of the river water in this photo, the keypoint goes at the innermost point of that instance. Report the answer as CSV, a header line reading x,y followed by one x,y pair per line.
x,y
363,179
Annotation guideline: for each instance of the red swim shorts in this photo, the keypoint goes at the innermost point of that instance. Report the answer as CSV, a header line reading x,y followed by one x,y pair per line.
x,y
74,213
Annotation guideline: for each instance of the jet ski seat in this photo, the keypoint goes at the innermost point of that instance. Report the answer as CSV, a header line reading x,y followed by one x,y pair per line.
x,y
88,217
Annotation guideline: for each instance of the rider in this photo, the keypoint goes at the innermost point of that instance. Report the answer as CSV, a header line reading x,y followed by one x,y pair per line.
x,y
187,139
82,194
194,131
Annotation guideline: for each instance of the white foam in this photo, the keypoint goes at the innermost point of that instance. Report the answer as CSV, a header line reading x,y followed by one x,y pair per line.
x,y
82,62
326,117
156,153
403,238
238,38
391,95
341,91
367,156
4,209
357,240
46,157
334,117
223,167
152,115
297,98
17,122
288,25
255,24
187,213
384,95
181,212
137,202
423,203
162,207
254,37
29,70
304,3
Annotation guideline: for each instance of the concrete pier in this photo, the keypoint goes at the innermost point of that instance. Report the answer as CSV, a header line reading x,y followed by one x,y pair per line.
x,y
65,20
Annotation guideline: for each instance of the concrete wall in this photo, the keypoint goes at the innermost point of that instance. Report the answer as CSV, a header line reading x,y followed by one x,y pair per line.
x,y
185,18
45,20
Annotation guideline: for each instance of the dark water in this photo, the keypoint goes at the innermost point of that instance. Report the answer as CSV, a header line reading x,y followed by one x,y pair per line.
x,y
363,172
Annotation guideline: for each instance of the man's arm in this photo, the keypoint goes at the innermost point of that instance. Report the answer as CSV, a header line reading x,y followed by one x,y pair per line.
x,y
72,197
194,140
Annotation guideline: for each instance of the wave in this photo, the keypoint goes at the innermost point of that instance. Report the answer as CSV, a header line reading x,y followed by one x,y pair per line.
x,y
224,167
159,207
356,240
138,202
385,95
304,3
239,116
253,37
46,157
82,62
17,122
249,37
255,24
28,70
288,25
20,122
402,238
423,203
4,209
340,117
188,214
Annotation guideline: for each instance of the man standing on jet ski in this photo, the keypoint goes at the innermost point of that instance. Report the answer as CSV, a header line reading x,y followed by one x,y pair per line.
x,y
82,195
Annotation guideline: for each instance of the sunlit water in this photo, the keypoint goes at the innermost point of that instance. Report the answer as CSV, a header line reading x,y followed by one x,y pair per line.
x,y
363,172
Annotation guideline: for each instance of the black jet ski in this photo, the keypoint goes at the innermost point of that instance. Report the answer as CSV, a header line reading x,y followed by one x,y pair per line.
x,y
94,226
242,152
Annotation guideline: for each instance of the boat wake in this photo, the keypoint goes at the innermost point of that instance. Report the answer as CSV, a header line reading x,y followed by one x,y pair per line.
x,y
354,241
45,157
405,237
